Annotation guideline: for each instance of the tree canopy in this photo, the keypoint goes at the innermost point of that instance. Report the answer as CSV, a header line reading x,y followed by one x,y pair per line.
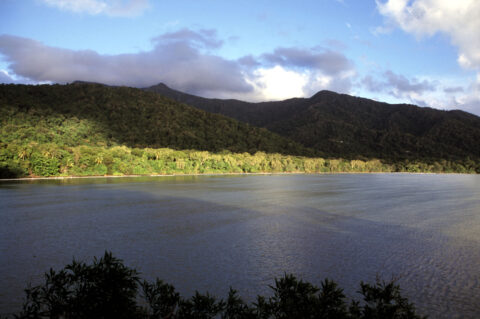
x,y
91,129
107,288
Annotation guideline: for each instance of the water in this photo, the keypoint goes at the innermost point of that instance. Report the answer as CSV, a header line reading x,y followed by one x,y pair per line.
x,y
211,232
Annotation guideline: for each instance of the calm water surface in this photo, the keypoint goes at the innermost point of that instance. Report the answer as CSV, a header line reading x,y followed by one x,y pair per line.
x,y
212,232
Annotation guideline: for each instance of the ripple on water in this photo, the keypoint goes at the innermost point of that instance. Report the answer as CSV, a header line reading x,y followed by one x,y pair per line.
x,y
209,233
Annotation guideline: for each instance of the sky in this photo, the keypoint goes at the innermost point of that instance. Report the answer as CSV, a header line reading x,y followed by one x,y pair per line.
x,y
422,52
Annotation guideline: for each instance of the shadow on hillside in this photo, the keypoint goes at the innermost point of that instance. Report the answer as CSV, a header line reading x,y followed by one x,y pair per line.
x,y
326,125
102,115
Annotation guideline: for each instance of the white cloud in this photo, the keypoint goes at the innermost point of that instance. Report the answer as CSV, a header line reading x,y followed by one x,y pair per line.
x,y
458,19
398,85
8,78
470,102
278,83
443,93
5,77
116,8
319,68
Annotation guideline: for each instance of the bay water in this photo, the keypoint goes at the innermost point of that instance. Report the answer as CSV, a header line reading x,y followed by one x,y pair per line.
x,y
208,233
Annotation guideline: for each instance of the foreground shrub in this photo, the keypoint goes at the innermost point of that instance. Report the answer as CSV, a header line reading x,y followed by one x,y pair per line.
x,y
109,289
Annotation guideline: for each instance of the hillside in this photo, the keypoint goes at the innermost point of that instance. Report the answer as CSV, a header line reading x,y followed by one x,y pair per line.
x,y
339,125
127,116
85,129
93,129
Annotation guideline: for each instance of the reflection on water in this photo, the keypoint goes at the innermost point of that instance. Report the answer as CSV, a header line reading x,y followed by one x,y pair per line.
x,y
212,232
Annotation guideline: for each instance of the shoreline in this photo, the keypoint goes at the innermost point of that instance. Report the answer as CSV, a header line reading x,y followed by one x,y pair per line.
x,y
217,174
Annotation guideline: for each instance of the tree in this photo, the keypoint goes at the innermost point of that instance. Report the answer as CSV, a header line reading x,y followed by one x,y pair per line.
x,y
104,289
109,289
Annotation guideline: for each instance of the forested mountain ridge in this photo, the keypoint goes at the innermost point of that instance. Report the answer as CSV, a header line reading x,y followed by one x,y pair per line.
x,y
131,117
339,125
93,129
85,129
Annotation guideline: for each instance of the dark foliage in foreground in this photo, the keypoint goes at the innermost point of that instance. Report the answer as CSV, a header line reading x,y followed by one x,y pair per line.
x,y
109,289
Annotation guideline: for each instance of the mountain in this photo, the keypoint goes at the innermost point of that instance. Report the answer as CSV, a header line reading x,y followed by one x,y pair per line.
x,y
126,116
85,129
339,125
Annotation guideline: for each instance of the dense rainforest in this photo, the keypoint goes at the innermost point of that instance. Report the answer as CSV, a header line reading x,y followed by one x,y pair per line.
x,y
84,129
343,126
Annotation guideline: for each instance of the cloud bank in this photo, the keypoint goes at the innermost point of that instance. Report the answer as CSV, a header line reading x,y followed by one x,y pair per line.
x,y
184,60
174,59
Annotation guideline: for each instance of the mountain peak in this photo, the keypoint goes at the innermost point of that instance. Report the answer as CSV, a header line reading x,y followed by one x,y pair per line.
x,y
160,85
323,94
341,125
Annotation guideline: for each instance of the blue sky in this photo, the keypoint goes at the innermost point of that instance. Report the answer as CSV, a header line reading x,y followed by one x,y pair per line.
x,y
425,52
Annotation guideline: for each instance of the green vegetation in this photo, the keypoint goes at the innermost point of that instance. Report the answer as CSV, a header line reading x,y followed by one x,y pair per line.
x,y
109,289
343,126
51,160
105,115
91,129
